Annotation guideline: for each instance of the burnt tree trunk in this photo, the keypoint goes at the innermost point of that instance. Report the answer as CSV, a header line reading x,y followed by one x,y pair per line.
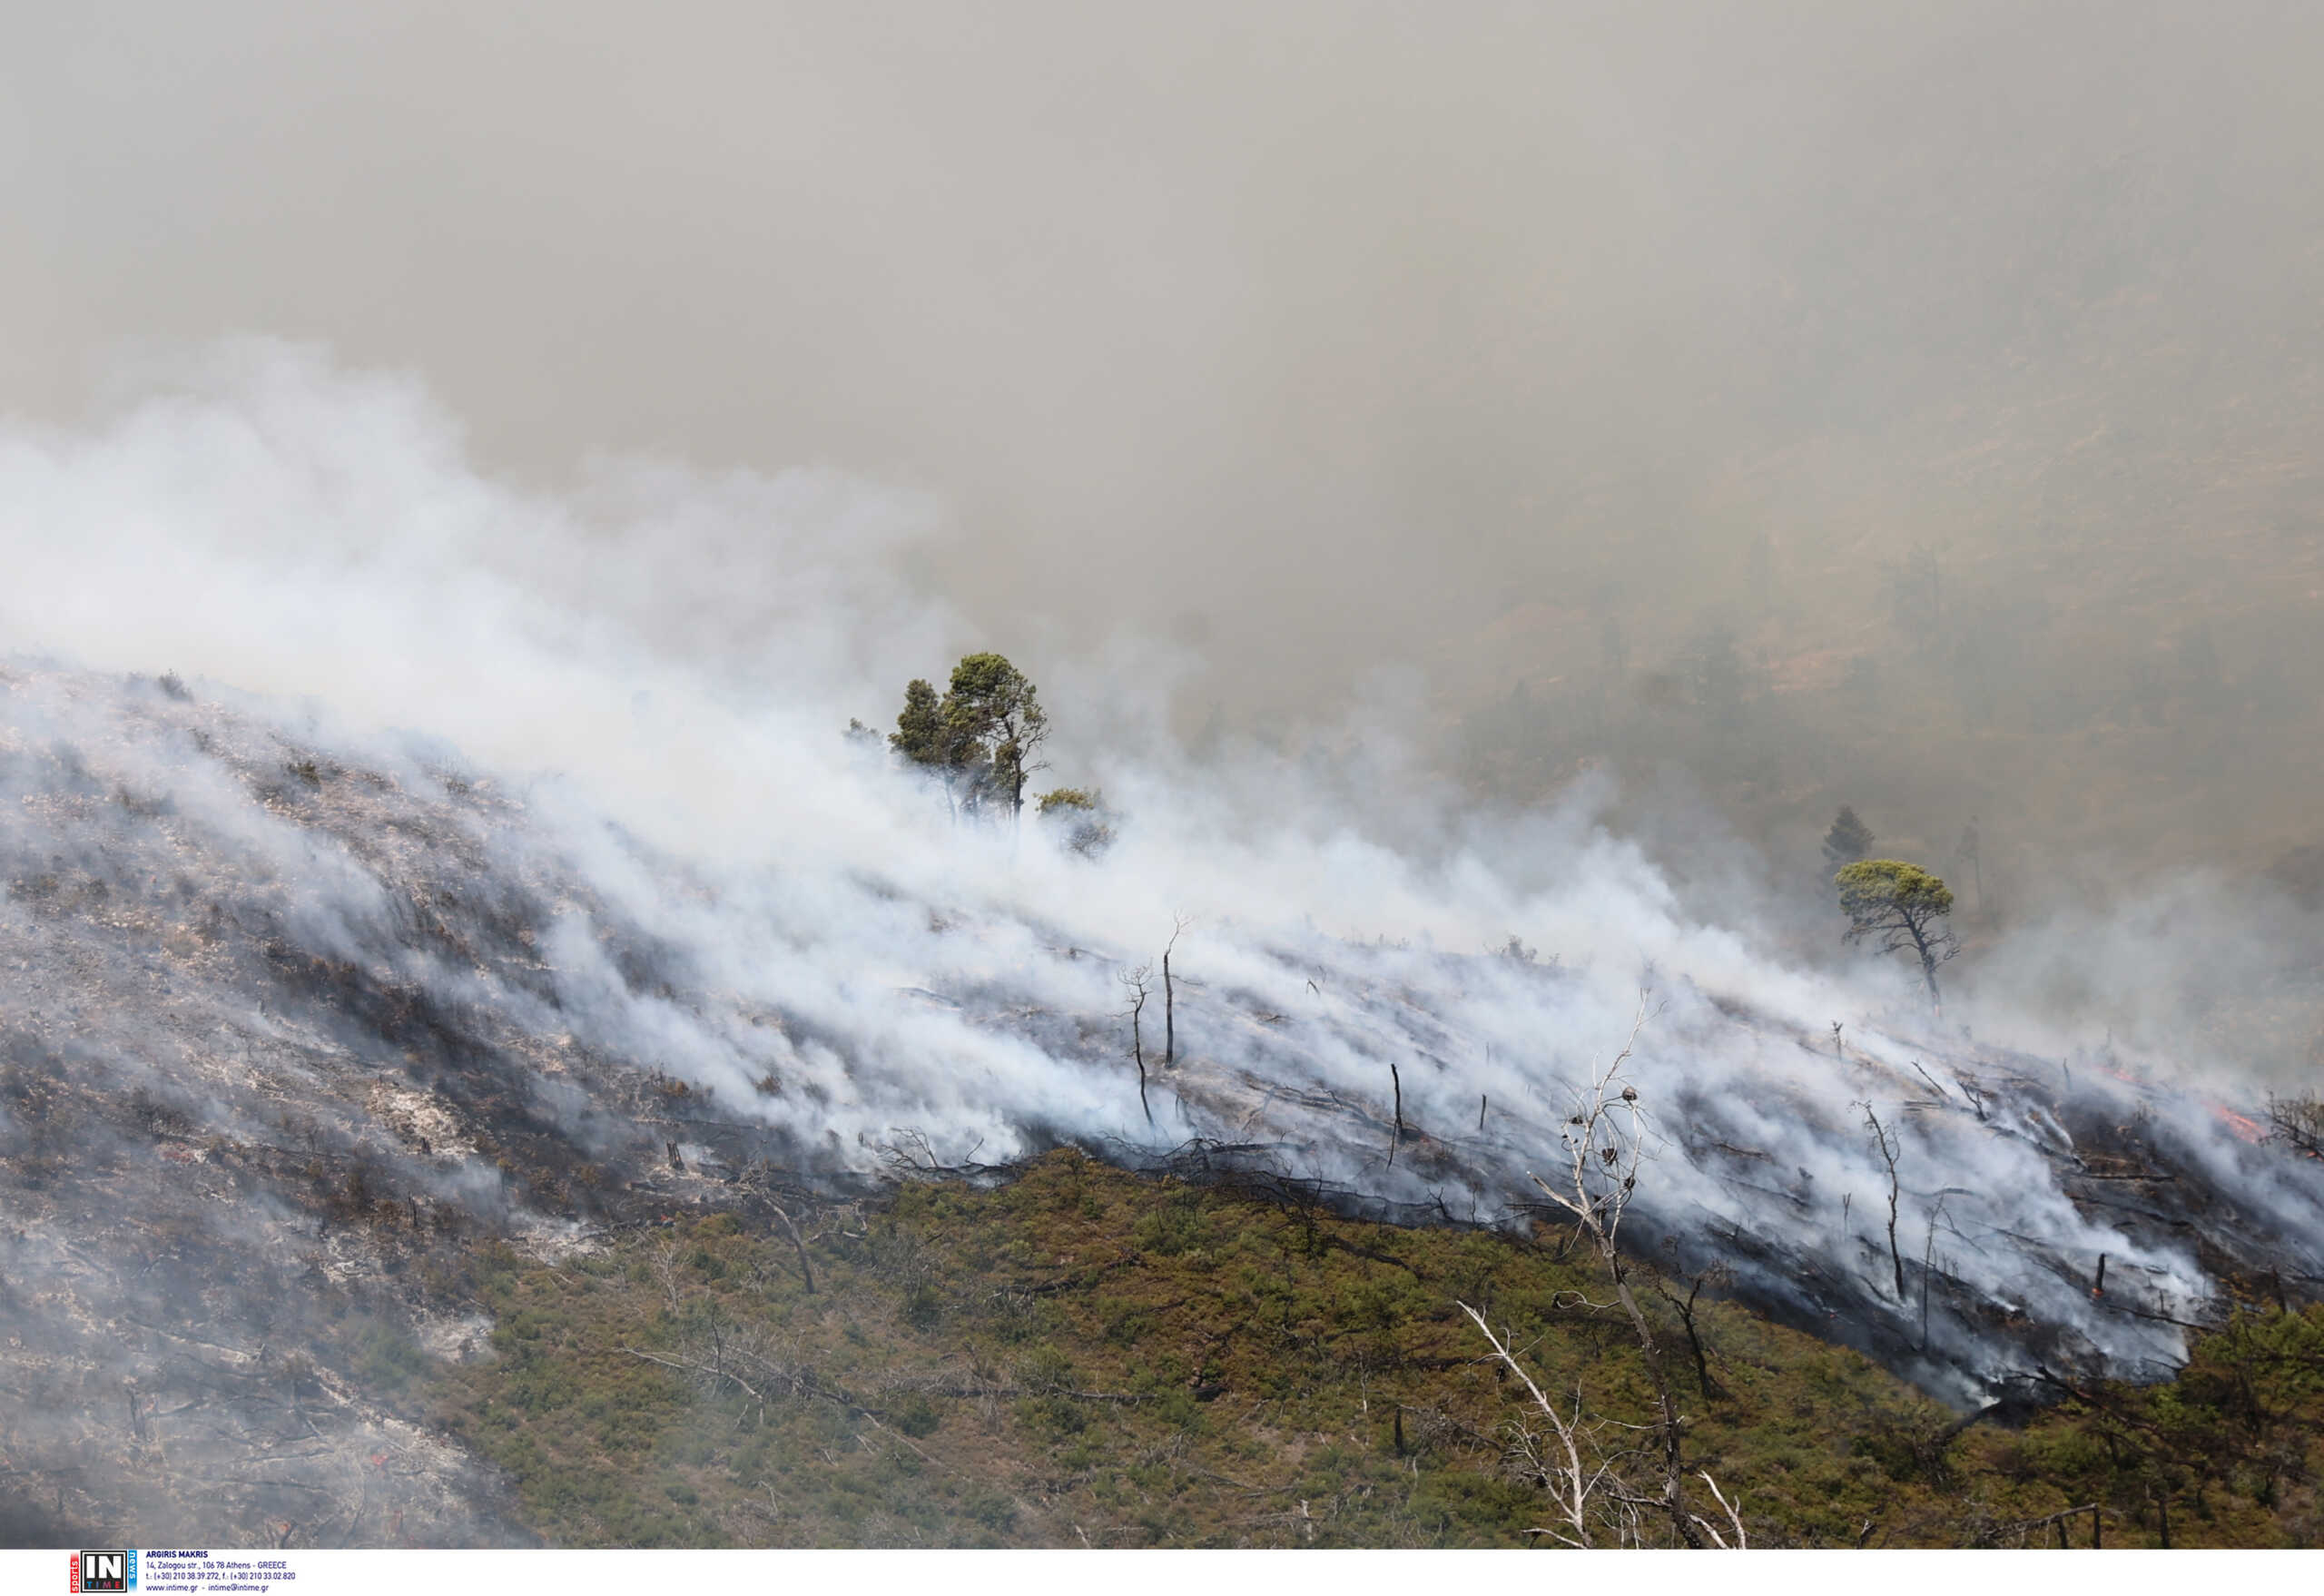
x,y
1169,1015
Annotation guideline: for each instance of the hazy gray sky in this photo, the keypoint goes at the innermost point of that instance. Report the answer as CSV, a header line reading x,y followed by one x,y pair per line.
x,y
1325,333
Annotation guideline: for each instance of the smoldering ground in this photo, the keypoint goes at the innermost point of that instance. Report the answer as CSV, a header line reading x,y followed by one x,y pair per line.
x,y
509,906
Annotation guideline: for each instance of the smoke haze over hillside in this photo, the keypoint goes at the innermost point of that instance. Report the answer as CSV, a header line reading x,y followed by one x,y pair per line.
x,y
1777,406
1317,336
1477,488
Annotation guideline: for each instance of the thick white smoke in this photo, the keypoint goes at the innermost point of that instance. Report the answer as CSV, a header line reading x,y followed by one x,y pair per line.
x,y
663,666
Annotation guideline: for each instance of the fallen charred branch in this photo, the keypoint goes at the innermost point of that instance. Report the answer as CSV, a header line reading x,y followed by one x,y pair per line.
x,y
2062,1518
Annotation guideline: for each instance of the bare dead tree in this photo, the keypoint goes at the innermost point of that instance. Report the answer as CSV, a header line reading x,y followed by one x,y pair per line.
x,y
1587,1490
663,1262
756,1179
909,1153
2298,1121
1716,1276
1734,1517
1137,982
1884,1141
1928,1264
1932,1085
749,1360
1605,1141
806,1270
1178,923
1395,1139
2056,1521
1571,1483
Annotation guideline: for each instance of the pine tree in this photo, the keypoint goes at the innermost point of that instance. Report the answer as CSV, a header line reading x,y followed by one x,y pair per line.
x,y
1848,841
1904,906
981,739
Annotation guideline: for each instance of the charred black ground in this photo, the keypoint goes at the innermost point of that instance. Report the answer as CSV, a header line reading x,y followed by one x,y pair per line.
x,y
252,1140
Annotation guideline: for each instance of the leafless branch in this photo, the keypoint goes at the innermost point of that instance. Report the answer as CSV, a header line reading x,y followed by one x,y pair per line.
x,y
1606,1141
1570,1483
2298,1121
1884,1141
1178,923
1137,982
806,1270
1734,1517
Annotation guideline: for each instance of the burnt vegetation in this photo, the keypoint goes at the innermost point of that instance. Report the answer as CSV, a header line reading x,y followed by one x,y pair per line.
x,y
329,1223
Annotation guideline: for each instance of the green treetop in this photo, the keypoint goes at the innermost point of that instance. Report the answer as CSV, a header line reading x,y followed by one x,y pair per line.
x,y
979,739
1904,906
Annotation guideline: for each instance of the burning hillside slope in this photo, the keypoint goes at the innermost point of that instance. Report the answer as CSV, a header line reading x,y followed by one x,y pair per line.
x,y
286,1018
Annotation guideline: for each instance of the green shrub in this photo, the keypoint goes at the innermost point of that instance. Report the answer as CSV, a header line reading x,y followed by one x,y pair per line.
x,y
1172,1228
916,1415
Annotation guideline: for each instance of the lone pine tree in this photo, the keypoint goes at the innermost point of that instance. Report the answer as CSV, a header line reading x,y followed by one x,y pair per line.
x,y
1904,906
